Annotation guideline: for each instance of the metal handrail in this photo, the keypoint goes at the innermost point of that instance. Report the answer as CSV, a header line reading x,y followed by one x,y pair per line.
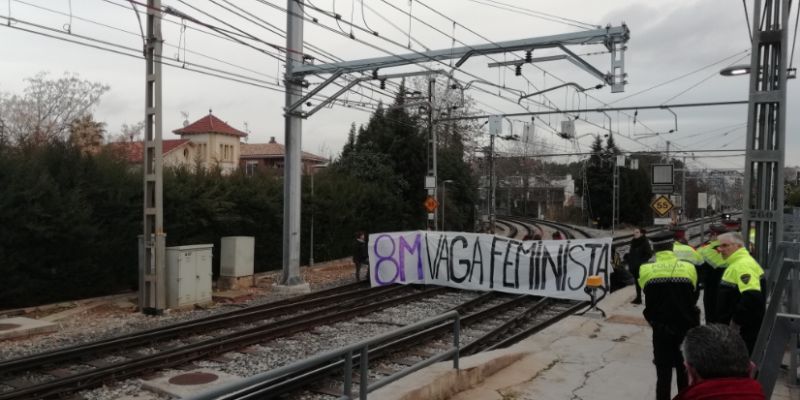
x,y
230,391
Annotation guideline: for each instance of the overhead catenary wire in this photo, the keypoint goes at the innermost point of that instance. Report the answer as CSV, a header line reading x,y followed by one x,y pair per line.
x,y
519,10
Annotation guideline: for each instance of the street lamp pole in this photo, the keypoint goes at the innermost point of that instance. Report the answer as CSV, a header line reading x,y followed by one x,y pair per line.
x,y
311,236
444,199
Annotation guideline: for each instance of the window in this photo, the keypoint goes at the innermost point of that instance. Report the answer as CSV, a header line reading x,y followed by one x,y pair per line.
x,y
250,167
202,151
226,152
279,165
186,154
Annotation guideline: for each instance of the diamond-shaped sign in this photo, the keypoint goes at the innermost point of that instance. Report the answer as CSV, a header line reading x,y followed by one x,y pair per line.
x,y
431,204
662,205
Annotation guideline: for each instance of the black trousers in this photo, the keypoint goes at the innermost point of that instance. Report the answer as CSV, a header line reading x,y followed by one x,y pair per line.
x,y
712,279
667,355
358,270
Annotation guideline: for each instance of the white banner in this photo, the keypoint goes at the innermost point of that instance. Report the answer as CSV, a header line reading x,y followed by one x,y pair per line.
x,y
552,268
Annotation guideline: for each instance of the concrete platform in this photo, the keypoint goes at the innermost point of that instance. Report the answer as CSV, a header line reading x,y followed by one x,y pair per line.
x,y
189,383
577,358
20,327
296,289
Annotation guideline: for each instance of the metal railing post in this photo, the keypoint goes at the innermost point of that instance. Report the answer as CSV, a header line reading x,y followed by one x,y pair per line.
x,y
456,339
363,386
348,375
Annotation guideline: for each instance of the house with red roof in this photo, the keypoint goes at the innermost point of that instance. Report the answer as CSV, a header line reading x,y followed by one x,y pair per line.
x,y
215,141
210,141
271,155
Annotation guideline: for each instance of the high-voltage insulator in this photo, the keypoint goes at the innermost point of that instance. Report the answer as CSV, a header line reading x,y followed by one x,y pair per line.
x,y
383,84
518,72
528,57
375,74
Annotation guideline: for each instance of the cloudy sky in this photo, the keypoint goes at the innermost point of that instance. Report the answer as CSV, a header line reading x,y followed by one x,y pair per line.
x,y
669,39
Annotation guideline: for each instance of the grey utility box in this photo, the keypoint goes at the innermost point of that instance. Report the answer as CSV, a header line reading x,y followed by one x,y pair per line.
x,y
237,256
188,274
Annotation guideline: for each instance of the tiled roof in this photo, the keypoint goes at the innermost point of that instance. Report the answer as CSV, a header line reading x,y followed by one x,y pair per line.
x,y
207,124
134,151
272,149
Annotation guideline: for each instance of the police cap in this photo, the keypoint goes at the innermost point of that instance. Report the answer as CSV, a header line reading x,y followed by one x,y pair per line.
x,y
678,230
663,240
717,229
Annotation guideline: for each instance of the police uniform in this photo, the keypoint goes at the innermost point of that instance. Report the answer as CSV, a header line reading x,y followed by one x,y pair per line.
x,y
711,272
689,254
740,298
669,286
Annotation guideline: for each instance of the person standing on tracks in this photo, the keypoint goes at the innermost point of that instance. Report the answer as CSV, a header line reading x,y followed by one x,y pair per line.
x,y
669,286
740,302
711,272
557,236
360,255
639,252
687,253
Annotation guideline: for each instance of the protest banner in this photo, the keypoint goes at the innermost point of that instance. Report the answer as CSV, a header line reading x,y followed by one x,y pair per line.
x,y
552,268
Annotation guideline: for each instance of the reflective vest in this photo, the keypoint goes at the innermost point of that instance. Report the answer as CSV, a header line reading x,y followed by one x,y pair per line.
x,y
711,255
740,298
687,253
668,285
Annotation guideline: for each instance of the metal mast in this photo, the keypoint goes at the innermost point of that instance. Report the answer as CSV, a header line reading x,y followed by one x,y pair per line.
x,y
432,146
152,276
292,172
766,127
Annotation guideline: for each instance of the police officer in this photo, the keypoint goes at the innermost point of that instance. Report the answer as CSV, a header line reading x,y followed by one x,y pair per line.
x,y
740,302
712,270
687,253
669,286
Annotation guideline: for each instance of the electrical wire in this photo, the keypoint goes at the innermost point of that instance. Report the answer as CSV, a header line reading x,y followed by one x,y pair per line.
x,y
747,19
544,16
713,74
678,78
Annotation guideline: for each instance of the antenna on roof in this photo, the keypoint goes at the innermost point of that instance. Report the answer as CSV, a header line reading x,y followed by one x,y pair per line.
x,y
247,131
185,115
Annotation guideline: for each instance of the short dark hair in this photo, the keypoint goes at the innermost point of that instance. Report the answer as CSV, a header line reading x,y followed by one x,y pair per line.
x,y
359,234
716,351
641,230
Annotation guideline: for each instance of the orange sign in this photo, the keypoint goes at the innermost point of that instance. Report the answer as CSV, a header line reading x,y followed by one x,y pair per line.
x,y
431,204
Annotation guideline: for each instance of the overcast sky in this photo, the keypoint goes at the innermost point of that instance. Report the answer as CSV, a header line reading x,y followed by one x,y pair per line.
x,y
668,39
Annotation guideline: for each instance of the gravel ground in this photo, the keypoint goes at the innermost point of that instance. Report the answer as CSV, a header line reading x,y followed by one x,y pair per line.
x,y
92,325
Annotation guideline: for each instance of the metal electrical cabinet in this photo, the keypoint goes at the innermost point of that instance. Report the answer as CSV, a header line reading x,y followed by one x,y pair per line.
x,y
188,274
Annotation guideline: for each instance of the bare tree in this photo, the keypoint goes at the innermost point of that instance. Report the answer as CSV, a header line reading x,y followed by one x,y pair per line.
x,y
128,133
47,107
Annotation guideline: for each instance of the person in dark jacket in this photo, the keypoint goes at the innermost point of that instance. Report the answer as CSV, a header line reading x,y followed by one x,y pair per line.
x,y
669,285
360,255
711,272
639,252
718,366
740,301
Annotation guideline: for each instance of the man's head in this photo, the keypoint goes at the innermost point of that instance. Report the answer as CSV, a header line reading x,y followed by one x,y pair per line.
x,y
556,235
639,232
715,351
729,243
360,235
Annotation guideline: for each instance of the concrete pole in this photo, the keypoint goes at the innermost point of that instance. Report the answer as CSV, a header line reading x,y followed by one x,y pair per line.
x,y
152,276
311,235
292,172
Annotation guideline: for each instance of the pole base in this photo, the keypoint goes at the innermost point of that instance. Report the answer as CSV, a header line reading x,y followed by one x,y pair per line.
x,y
293,289
153,312
594,314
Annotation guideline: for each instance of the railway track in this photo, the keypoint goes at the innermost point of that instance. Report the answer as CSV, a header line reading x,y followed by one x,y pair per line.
x,y
502,321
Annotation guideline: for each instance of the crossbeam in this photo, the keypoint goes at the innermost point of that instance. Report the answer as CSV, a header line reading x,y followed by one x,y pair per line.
x,y
609,36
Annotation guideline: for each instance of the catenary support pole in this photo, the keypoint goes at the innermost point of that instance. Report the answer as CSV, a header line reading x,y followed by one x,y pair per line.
x,y
683,190
292,172
152,276
432,145
766,127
